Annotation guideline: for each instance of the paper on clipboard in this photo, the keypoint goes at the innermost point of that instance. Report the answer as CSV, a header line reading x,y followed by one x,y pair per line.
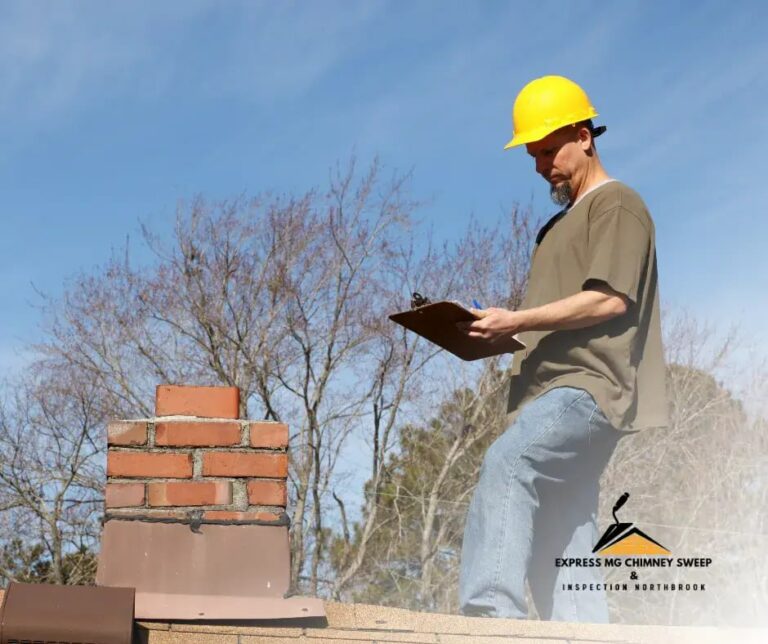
x,y
437,323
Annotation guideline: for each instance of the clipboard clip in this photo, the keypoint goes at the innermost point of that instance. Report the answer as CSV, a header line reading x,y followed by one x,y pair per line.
x,y
417,300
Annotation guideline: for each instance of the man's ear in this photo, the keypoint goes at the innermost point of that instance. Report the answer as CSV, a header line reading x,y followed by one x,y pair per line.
x,y
585,138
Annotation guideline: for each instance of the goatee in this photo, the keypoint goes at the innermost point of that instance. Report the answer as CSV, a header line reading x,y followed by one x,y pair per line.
x,y
561,193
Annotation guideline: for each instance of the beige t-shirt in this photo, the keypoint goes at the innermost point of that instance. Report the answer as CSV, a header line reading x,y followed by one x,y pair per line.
x,y
607,236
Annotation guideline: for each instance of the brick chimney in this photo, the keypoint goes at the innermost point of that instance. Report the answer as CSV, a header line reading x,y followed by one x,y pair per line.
x,y
196,461
195,515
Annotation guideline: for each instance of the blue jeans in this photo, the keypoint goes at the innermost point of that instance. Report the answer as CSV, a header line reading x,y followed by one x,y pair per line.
x,y
536,501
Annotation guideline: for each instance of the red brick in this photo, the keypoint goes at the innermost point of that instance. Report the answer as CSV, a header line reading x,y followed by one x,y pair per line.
x,y
267,493
124,432
245,464
189,493
124,495
179,434
206,402
274,435
149,465
227,515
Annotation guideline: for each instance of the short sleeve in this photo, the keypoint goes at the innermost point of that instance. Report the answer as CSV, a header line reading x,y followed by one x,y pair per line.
x,y
618,248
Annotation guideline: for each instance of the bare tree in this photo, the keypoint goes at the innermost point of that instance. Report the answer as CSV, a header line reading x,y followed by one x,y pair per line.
x,y
51,479
286,298
415,498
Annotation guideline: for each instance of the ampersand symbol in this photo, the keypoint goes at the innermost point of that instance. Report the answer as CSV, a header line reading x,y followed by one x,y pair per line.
x,y
633,575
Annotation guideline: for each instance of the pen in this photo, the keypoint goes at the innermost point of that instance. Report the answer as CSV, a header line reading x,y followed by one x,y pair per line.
x,y
476,304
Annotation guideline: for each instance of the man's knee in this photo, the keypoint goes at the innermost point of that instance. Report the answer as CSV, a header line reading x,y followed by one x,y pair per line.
x,y
504,452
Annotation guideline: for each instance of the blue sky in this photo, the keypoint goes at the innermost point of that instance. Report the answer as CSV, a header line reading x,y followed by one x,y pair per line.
x,y
112,111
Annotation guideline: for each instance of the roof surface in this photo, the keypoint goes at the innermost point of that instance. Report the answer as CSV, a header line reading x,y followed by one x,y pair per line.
x,y
350,623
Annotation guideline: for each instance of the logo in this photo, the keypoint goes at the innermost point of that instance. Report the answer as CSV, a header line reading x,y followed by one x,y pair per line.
x,y
625,547
626,539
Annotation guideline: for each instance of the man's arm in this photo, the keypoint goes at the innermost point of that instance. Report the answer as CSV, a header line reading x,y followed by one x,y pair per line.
x,y
597,303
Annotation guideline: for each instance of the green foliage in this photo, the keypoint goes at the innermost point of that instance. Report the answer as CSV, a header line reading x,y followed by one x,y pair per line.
x,y
32,564
412,558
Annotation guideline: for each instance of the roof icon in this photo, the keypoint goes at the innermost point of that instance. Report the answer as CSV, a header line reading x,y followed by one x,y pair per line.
x,y
625,539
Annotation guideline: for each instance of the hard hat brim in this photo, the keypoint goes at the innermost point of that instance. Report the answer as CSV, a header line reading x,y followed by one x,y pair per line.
x,y
536,134
532,135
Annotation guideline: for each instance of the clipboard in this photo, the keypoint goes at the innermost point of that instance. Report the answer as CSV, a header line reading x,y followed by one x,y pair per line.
x,y
437,323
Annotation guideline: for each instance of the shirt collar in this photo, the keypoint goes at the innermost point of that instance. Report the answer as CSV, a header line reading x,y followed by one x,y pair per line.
x,y
592,189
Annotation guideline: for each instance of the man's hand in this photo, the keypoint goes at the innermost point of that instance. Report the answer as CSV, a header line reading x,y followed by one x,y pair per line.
x,y
493,324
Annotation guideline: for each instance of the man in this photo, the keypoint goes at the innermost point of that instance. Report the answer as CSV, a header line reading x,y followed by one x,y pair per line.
x,y
592,371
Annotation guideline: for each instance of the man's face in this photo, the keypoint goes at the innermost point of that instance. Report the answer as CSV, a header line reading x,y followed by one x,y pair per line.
x,y
559,159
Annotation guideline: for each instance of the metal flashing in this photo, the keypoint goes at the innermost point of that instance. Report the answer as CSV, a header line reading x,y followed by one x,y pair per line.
x,y
218,572
227,608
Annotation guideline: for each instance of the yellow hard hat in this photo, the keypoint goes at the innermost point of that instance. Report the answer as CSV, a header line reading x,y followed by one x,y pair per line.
x,y
545,105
